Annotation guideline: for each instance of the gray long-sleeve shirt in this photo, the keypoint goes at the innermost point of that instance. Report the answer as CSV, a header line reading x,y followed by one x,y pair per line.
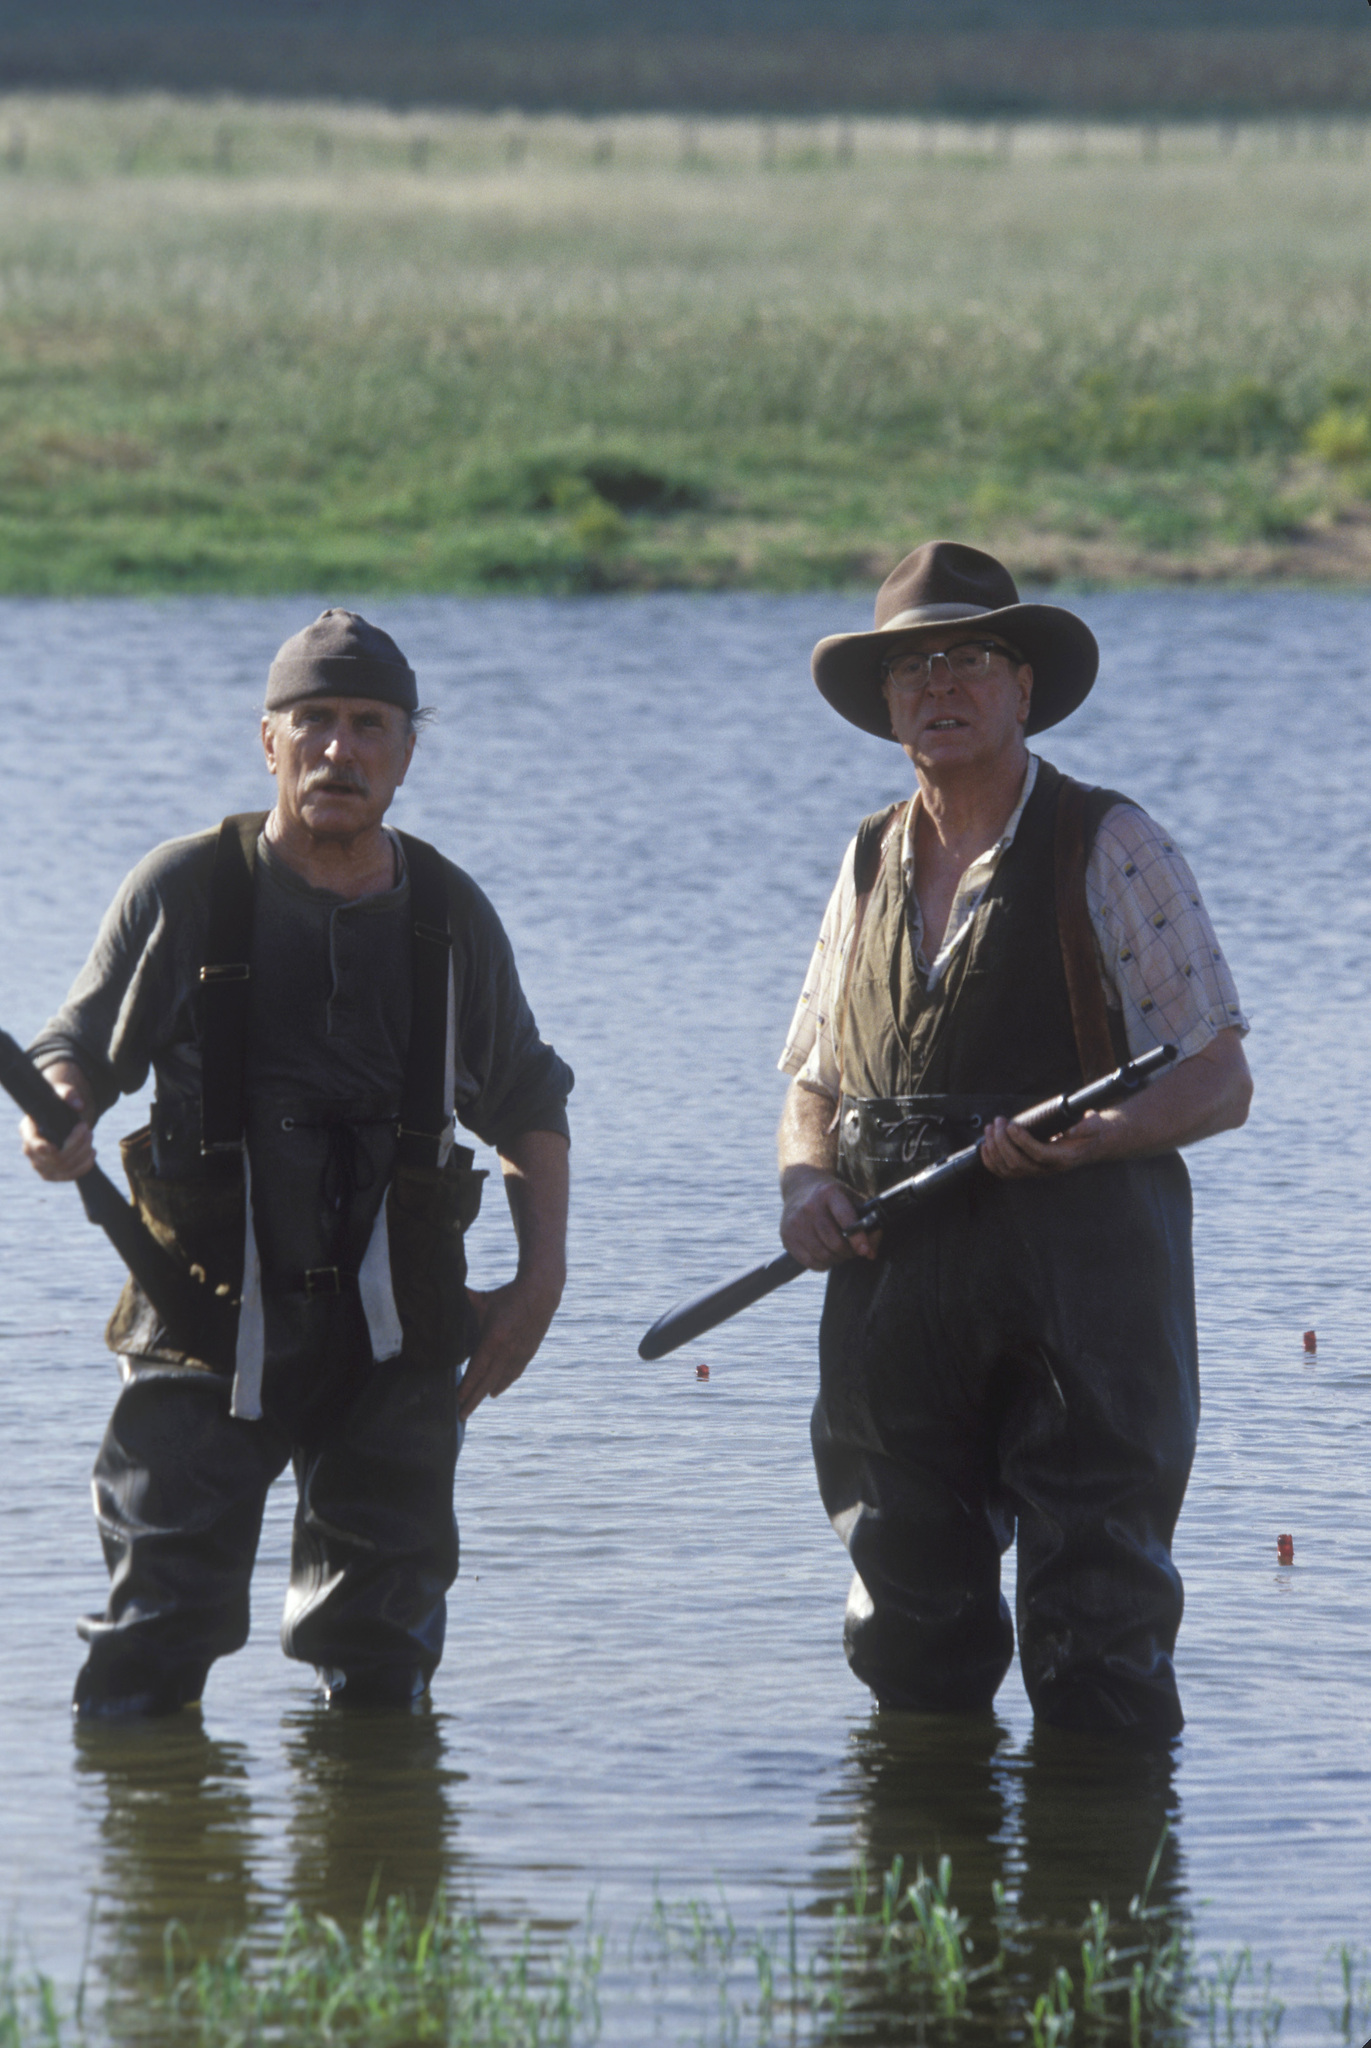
x,y
132,1007
328,1032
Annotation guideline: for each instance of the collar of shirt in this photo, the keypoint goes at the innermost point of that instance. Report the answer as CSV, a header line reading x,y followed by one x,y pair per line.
x,y
971,887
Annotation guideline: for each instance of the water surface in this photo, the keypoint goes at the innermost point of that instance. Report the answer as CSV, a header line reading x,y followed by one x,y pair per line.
x,y
644,1679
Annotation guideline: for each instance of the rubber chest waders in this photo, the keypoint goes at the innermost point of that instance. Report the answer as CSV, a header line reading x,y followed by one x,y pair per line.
x,y
1025,1361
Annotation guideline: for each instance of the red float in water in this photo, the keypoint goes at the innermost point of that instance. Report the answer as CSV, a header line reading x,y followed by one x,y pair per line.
x,y
702,1372
1311,1342
1285,1549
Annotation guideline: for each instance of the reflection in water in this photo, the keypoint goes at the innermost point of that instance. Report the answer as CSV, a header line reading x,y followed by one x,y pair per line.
x,y
373,1814
176,1837
373,1811
924,1786
1061,1822
1093,1813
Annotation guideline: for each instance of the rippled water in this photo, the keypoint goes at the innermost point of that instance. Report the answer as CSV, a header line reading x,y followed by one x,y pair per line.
x,y
644,1679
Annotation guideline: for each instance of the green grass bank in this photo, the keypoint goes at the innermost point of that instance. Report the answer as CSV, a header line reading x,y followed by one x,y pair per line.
x,y
254,348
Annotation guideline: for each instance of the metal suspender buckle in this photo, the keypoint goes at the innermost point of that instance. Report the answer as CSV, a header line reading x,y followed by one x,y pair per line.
x,y
322,1280
226,970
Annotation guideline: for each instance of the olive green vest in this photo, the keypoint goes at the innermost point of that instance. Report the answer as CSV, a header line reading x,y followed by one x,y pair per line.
x,y
1019,1010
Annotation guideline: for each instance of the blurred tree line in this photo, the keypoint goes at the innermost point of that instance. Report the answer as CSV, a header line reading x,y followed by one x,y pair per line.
x,y
1102,57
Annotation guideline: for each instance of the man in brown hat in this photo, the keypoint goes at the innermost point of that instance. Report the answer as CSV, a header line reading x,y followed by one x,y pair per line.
x,y
1025,1359
316,995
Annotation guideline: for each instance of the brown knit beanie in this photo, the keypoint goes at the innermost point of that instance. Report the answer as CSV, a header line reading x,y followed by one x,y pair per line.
x,y
341,655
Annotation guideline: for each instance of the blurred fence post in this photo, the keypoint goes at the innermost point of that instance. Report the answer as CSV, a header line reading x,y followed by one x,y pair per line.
x,y
223,149
603,151
845,148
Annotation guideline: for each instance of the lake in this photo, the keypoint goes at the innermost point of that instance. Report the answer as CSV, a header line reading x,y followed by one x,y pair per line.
x,y
644,1683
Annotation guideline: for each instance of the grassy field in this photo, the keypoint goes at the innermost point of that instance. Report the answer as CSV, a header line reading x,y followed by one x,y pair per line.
x,y
258,348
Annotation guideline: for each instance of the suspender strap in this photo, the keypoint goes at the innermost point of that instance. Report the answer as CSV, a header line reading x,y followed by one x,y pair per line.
x,y
425,1112
873,835
225,983
1089,1011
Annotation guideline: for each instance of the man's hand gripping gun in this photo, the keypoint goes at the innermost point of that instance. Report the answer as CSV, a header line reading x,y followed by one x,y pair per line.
x,y
1045,1120
198,1321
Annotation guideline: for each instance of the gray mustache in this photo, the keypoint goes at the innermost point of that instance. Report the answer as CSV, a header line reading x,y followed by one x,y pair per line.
x,y
334,779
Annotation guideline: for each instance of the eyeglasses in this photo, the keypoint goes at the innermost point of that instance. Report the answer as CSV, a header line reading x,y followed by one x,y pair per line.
x,y
968,660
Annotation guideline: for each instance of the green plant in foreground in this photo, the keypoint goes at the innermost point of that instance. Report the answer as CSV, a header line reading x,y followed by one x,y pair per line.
x,y
1354,2014
401,1980
30,2010
894,1961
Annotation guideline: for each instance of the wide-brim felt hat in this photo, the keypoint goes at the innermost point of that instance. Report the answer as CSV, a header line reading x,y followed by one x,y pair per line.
x,y
941,584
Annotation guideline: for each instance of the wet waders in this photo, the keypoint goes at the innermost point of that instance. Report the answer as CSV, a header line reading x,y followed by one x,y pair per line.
x,y
180,1486
1025,1359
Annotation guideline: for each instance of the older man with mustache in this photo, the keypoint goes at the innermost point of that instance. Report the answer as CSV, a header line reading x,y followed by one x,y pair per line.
x,y
1024,1360
317,995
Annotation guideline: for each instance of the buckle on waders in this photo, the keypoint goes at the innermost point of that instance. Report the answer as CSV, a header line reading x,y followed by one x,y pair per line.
x,y
322,1280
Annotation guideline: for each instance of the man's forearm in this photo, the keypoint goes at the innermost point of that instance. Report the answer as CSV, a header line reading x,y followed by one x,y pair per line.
x,y
73,1082
1200,1096
1197,1098
514,1319
536,1168
817,1212
807,1141
70,1160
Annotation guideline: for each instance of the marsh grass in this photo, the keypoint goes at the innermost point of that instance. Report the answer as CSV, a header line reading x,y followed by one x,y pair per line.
x,y
256,348
896,1961
398,1980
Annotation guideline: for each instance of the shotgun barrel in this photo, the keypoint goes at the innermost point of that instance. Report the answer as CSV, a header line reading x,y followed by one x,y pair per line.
x,y
1045,1120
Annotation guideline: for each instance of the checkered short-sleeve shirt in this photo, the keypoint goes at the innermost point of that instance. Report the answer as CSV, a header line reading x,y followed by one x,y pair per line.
x,y
1160,961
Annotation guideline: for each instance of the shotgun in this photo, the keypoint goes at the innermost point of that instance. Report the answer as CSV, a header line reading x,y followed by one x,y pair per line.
x,y
1045,1120
198,1321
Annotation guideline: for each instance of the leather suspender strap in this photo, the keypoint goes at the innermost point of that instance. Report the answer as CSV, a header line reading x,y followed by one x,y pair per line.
x,y
425,1113
225,984
872,835
866,858
1089,1010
